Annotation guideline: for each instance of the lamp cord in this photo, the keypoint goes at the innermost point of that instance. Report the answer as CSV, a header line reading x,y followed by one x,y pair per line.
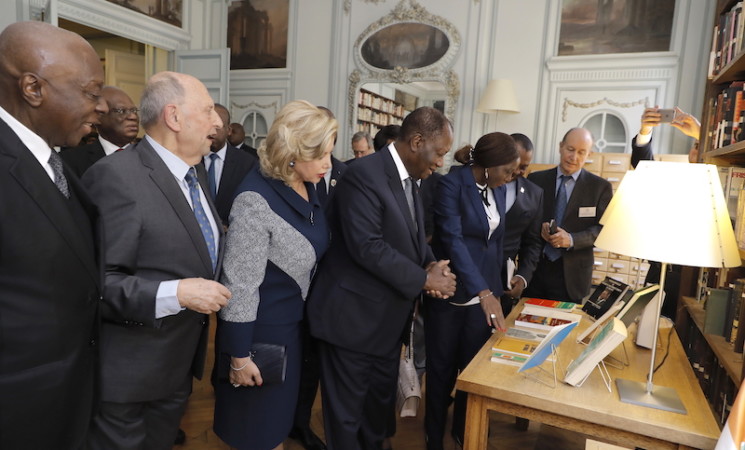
x,y
667,350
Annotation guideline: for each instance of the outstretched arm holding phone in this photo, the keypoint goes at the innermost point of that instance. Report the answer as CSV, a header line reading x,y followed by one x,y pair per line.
x,y
652,117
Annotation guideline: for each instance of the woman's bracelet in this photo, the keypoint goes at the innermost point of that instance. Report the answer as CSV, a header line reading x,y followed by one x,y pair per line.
x,y
239,368
250,358
486,295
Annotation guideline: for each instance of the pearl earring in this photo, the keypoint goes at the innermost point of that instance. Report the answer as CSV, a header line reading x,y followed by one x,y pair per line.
x,y
292,163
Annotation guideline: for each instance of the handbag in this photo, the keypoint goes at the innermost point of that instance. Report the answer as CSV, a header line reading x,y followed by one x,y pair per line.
x,y
271,359
409,391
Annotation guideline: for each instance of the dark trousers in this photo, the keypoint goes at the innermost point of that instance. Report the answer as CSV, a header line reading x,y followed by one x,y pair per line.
x,y
357,390
548,282
148,425
454,334
310,373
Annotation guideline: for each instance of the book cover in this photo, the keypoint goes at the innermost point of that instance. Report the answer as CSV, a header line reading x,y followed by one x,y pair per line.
x,y
508,358
543,319
544,349
604,296
609,337
527,335
507,344
717,303
551,304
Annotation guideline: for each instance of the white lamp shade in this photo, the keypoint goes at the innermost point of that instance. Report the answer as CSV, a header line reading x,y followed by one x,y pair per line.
x,y
498,96
673,213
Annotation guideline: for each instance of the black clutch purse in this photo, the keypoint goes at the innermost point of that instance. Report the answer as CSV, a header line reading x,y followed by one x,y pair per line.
x,y
271,359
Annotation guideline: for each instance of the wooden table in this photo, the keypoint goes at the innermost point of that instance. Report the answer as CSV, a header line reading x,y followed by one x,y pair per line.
x,y
591,409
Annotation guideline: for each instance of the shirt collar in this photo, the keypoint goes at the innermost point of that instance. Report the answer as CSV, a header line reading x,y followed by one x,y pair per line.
x,y
108,146
176,165
402,172
574,176
31,140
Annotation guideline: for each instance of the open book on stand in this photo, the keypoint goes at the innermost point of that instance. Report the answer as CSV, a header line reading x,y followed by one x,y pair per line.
x,y
609,337
516,345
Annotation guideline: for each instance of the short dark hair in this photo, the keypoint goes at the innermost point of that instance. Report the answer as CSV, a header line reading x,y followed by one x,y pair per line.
x,y
523,140
387,132
426,121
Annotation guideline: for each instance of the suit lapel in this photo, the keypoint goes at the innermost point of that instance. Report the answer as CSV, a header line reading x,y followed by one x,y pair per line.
x,y
202,176
164,179
394,182
474,198
35,181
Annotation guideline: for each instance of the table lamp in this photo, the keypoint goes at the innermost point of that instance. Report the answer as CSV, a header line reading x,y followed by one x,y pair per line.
x,y
674,213
498,96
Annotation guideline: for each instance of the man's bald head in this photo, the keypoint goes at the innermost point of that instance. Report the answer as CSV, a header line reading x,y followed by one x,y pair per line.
x,y
50,81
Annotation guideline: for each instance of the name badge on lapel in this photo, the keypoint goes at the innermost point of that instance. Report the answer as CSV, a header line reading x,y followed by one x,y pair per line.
x,y
587,211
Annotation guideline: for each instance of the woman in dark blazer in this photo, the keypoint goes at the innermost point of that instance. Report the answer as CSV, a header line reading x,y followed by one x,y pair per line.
x,y
469,229
277,234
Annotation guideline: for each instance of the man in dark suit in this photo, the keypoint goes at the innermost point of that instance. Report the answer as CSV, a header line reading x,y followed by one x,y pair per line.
x,y
377,265
162,254
237,137
564,271
226,167
522,238
50,278
117,130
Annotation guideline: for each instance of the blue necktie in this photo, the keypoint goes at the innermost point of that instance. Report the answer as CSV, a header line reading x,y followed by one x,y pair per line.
x,y
204,223
211,179
560,208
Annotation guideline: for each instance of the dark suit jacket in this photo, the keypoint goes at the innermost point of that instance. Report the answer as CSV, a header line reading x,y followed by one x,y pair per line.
x,y
337,171
151,236
237,165
462,234
50,290
250,150
640,153
590,192
366,284
522,238
79,159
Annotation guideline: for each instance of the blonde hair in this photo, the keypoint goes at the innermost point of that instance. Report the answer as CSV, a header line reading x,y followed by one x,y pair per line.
x,y
300,132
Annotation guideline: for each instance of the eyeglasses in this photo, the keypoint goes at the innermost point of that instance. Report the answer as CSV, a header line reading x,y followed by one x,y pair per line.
x,y
124,112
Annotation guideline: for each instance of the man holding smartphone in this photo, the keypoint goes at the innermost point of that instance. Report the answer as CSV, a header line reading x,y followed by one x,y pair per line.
x,y
575,200
641,148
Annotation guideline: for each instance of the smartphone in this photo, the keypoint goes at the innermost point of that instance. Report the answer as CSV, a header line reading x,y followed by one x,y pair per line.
x,y
552,228
666,115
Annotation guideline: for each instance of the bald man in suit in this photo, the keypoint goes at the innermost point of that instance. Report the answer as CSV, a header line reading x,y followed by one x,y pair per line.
x,y
50,278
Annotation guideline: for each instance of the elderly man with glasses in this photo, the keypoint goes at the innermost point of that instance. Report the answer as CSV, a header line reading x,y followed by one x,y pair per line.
x,y
117,130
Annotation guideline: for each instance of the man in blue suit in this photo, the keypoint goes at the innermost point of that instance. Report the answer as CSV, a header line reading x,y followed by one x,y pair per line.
x,y
377,265
576,200
522,238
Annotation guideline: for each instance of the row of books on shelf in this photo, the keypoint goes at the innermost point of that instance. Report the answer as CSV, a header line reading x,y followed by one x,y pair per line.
x,y
715,382
367,127
727,116
381,119
726,43
375,101
725,312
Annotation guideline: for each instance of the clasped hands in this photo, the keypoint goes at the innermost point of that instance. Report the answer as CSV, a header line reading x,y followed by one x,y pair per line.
x,y
440,281
244,372
560,239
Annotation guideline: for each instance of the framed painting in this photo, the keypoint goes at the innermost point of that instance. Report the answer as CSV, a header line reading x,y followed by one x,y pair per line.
x,y
168,11
590,27
257,33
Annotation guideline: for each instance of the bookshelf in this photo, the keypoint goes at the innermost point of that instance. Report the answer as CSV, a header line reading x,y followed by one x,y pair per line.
x,y
375,111
719,367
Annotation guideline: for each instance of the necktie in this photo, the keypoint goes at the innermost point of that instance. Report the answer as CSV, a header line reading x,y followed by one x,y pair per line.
x,y
59,177
560,208
204,223
409,191
321,192
211,179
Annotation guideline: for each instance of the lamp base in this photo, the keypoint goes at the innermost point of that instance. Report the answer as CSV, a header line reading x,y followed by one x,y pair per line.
x,y
663,398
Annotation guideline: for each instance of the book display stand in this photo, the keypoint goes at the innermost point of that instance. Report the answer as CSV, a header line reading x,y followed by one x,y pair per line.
x,y
535,375
603,374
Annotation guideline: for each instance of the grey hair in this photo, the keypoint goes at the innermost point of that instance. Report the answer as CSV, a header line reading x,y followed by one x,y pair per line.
x,y
167,89
360,135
